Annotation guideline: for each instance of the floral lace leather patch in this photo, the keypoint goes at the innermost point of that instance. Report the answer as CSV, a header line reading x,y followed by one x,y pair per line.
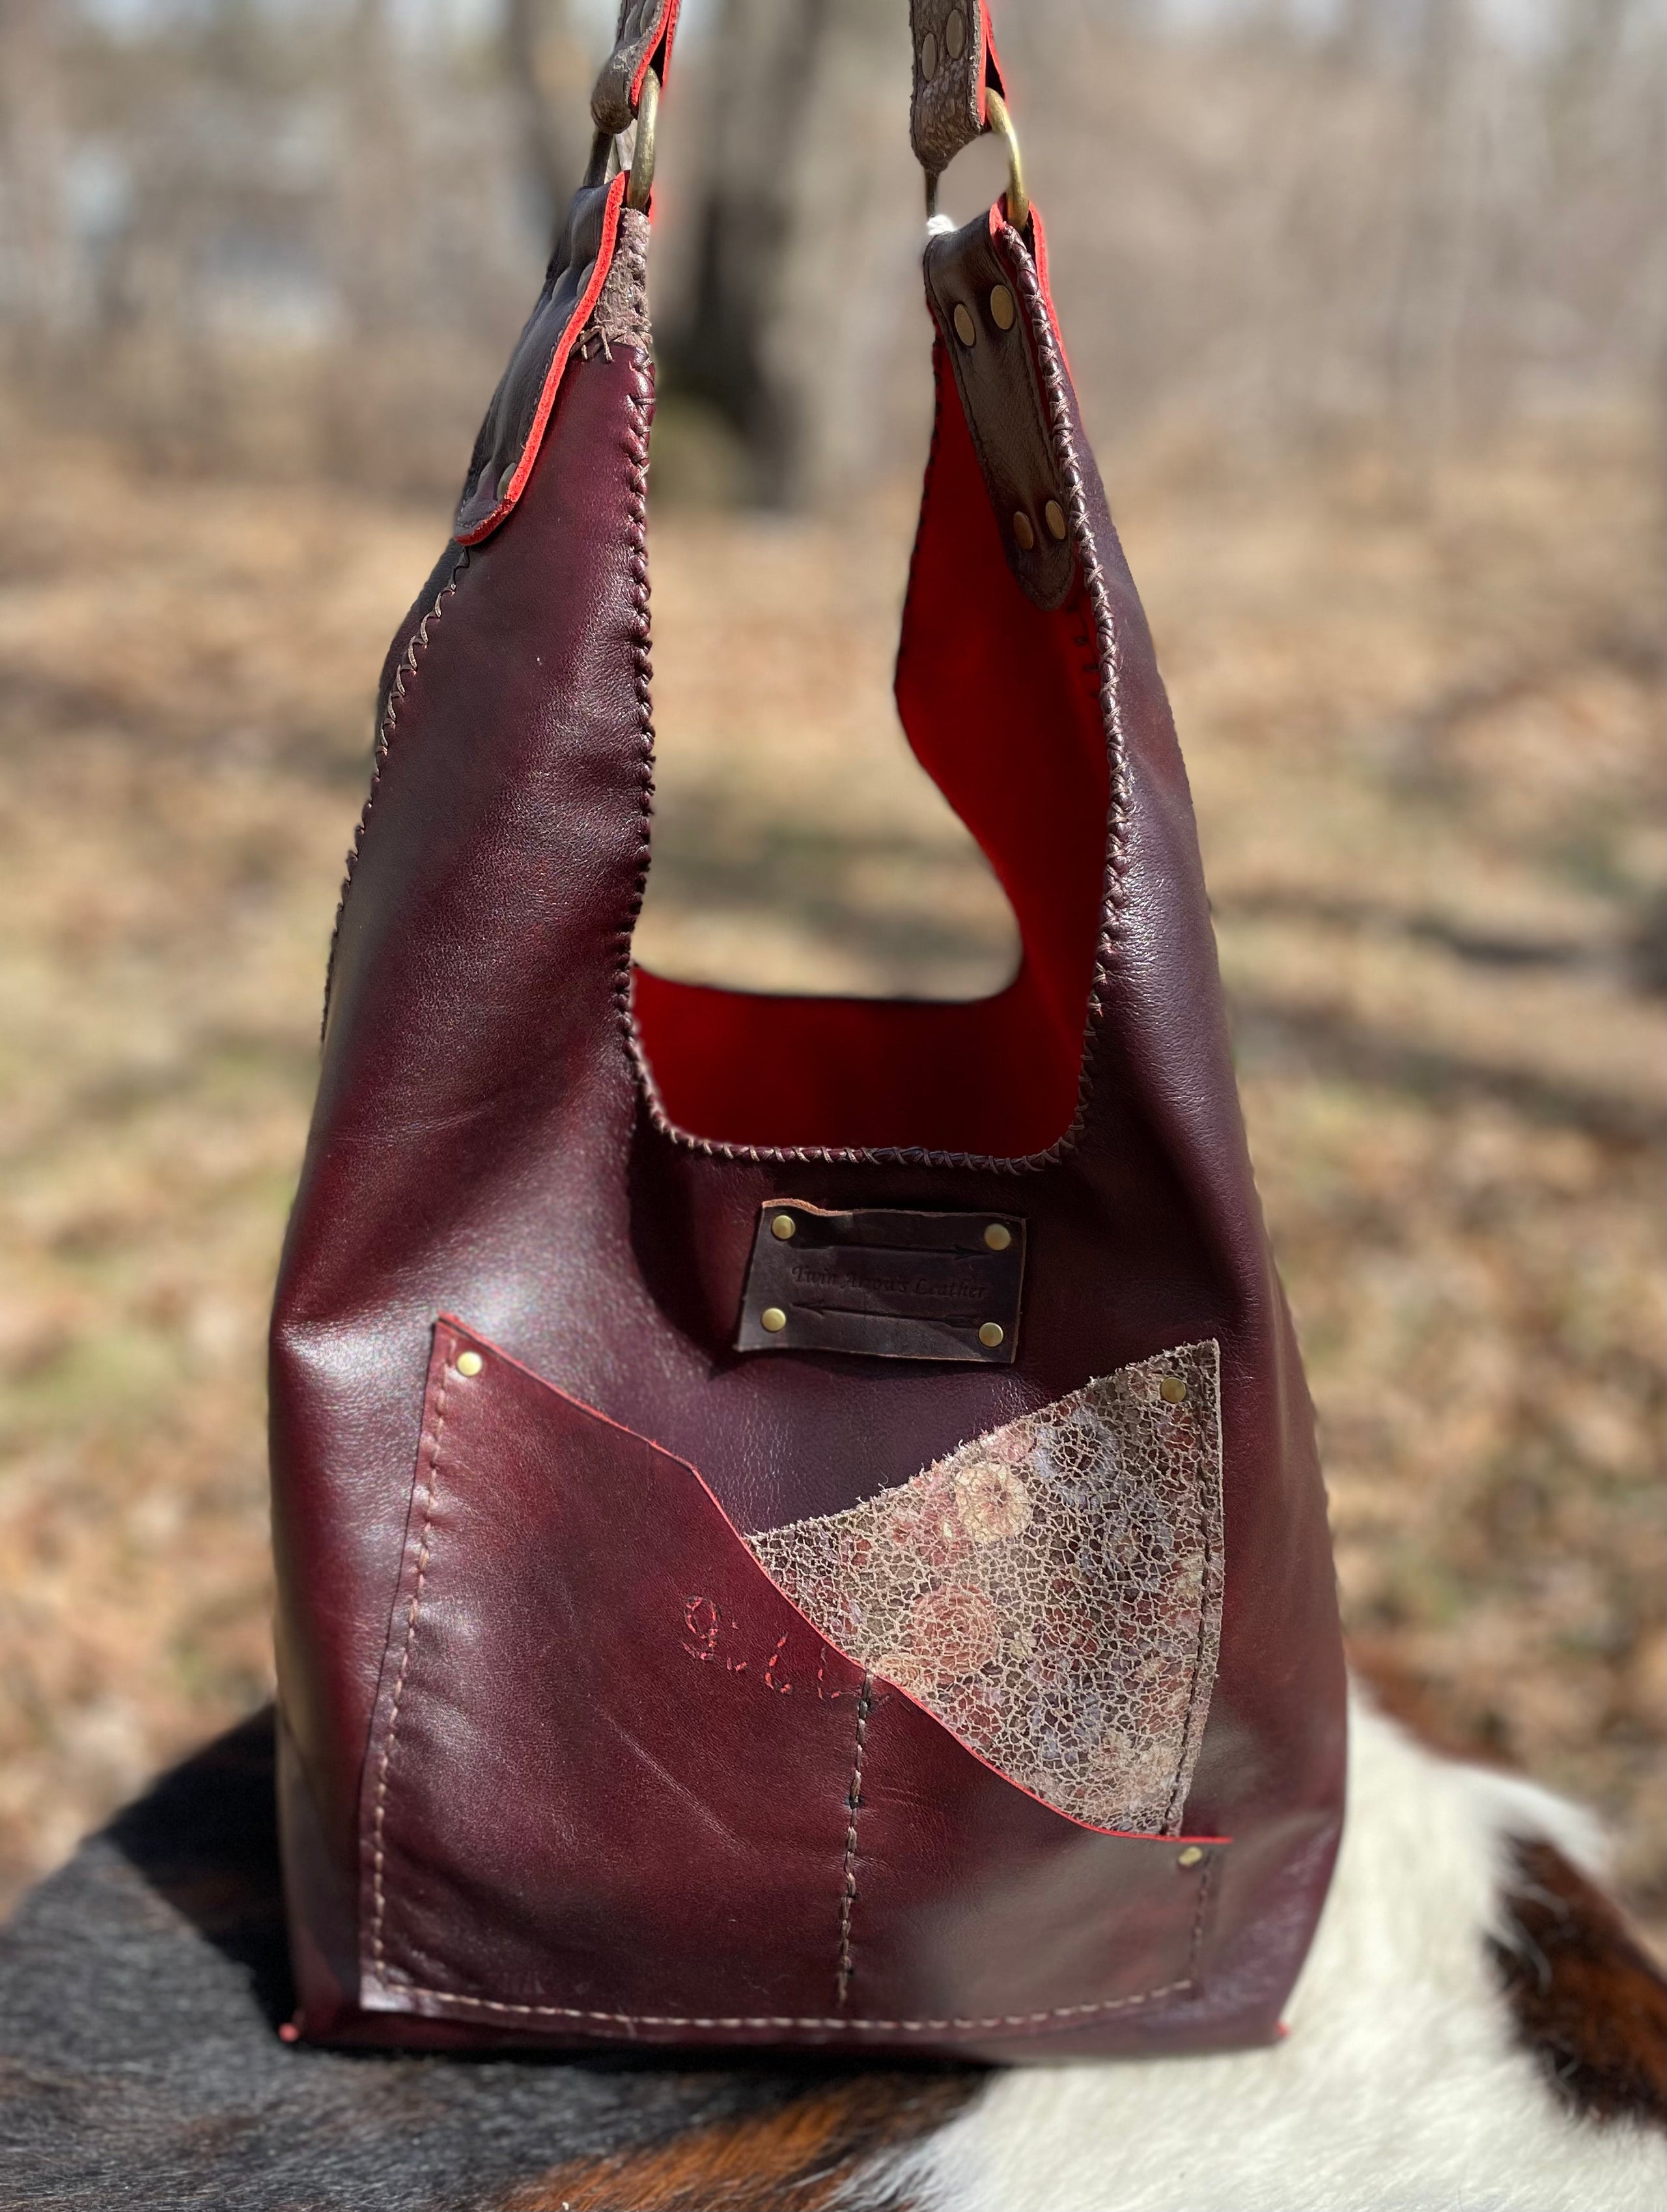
x,y
1051,1591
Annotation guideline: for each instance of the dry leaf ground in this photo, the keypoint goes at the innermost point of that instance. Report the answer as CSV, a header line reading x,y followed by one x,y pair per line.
x,y
1422,716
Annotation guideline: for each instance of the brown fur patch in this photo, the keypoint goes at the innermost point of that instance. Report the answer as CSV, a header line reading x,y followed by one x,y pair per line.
x,y
1589,2002
793,2160
1405,1695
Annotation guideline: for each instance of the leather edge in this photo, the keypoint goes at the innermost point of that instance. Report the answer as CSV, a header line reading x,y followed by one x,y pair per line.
x,y
477,532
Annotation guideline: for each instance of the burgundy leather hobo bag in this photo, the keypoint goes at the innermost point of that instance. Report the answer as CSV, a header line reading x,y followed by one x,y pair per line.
x,y
797,1518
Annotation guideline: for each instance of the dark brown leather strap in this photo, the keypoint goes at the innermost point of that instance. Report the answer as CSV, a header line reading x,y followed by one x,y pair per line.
x,y
955,65
645,26
975,301
954,61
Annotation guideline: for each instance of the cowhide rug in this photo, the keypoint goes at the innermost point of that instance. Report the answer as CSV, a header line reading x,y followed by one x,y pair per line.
x,y
1475,2030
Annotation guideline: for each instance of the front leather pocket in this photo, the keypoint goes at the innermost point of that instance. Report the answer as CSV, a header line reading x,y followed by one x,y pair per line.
x,y
618,1785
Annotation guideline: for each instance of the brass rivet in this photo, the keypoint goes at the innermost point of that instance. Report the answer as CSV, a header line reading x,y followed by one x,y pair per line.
x,y
991,1334
1054,515
955,34
784,1226
1002,311
965,329
506,480
998,1237
1172,1390
1190,1857
928,58
470,1363
1023,533
773,1319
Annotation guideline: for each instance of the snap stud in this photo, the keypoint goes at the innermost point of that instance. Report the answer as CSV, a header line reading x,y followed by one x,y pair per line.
x,y
998,1237
773,1319
928,58
470,1363
991,1334
1024,534
1172,1390
1054,515
955,34
1189,1857
784,1226
1002,311
965,329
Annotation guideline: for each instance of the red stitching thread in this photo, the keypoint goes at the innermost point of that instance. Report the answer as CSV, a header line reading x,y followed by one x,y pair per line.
x,y
848,1872
378,1892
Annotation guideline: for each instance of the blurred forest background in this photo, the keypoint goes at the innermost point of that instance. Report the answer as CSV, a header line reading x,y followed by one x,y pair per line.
x,y
1365,298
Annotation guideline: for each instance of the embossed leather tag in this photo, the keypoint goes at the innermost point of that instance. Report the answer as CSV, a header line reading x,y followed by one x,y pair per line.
x,y
884,1283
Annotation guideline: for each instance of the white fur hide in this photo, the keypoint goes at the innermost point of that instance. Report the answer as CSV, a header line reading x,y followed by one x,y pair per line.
x,y
1399,2088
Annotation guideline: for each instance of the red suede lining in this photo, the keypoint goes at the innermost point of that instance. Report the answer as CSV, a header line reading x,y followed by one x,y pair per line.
x,y
1000,702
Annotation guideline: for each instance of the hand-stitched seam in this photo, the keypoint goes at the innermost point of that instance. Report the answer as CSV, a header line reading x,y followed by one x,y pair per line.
x,y
379,1896
620,314
848,1870
1061,2016
406,665
640,400
1113,893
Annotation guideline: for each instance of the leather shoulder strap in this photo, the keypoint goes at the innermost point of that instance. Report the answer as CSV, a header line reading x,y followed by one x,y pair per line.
x,y
646,29
955,65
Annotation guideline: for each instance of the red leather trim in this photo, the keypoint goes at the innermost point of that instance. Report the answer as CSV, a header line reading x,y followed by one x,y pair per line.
x,y
559,363
661,45
992,66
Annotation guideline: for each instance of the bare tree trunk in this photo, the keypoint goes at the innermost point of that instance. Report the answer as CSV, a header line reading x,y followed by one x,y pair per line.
x,y
546,66
368,395
765,68
375,242
1430,282
34,223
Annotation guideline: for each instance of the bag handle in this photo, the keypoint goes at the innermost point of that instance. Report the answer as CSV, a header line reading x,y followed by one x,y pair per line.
x,y
957,94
